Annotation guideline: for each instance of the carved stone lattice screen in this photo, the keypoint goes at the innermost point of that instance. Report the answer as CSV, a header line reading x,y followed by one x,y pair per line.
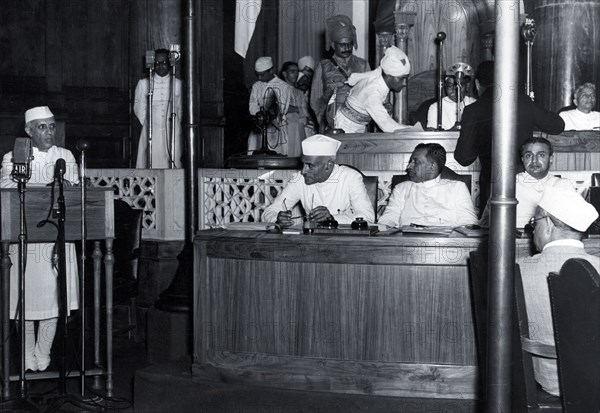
x,y
137,190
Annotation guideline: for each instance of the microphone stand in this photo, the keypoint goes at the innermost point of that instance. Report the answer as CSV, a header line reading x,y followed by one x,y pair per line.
x,y
150,96
62,282
441,36
21,184
173,60
82,146
459,78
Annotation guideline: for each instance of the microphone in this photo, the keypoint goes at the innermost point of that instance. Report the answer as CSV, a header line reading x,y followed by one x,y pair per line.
x,y
150,57
82,145
440,37
22,156
59,169
174,54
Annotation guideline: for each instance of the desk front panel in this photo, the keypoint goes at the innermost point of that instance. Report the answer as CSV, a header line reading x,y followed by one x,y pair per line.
x,y
279,309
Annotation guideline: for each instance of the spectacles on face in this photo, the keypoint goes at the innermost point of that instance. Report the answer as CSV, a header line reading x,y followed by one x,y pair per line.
x,y
533,221
161,63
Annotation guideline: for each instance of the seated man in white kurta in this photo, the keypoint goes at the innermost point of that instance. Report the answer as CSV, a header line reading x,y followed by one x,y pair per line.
x,y
449,102
426,199
583,117
325,190
41,290
537,156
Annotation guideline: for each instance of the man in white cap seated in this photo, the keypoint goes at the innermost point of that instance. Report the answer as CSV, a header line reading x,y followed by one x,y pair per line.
x,y
460,73
365,100
41,291
325,190
427,198
272,95
560,221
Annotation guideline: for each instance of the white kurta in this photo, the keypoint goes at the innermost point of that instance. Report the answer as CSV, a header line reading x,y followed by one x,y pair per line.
x,y
161,122
448,112
529,191
343,193
435,202
367,97
577,120
40,276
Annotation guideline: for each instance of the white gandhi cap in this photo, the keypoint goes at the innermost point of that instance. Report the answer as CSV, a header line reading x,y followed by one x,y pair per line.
x,y
320,145
569,207
39,112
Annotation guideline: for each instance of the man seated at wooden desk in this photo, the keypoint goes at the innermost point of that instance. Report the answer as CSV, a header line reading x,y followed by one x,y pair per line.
x,y
427,199
325,189
560,222
537,156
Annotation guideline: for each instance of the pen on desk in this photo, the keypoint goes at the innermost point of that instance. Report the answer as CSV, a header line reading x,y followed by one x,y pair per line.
x,y
284,206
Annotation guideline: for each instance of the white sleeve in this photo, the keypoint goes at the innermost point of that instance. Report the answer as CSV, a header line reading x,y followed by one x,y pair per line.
x,y
432,116
377,111
140,100
290,195
395,206
465,210
359,201
253,104
72,172
7,167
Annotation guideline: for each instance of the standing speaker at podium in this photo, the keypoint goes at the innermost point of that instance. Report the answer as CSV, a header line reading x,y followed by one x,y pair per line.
x,y
41,287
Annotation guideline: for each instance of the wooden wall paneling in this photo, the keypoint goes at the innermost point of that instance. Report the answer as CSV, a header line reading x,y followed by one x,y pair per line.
x,y
75,41
458,19
212,111
565,52
22,31
54,46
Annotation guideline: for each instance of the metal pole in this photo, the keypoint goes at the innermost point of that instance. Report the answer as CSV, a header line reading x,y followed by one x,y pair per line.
x,y
441,36
150,94
190,121
503,207
173,121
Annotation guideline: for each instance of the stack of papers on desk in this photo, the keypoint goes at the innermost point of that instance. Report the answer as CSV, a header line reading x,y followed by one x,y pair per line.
x,y
427,229
246,226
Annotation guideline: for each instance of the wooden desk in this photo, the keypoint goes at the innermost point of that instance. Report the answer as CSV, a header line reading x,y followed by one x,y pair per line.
x,y
99,225
367,315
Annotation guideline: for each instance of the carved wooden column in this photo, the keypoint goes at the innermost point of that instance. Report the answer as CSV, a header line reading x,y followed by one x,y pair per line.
x,y
403,21
487,47
566,53
384,40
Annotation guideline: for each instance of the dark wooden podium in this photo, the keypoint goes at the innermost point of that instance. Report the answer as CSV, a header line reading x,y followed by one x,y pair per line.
x,y
99,225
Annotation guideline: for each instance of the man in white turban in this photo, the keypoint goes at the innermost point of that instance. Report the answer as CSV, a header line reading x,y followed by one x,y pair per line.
x,y
325,189
560,222
41,289
369,91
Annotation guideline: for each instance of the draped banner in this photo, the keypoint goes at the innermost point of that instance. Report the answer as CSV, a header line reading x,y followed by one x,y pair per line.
x,y
246,14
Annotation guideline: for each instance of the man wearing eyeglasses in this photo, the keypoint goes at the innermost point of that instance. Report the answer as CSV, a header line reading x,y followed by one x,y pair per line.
x,y
560,222
161,115
329,89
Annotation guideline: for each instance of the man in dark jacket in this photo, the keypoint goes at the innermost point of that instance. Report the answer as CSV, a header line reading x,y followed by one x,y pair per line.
x,y
475,138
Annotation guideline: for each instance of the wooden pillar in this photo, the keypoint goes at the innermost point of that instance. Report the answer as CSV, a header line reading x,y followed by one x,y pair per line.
x,y
403,21
566,52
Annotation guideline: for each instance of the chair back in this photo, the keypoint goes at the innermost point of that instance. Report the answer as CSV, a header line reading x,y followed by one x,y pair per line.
x,y
371,184
575,301
128,239
447,173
